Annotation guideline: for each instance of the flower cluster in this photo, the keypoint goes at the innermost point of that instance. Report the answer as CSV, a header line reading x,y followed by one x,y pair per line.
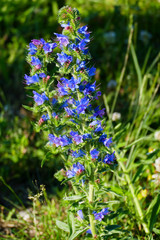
x,y
100,215
66,102
76,170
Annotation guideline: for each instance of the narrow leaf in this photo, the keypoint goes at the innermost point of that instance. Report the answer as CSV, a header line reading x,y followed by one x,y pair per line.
x,y
112,227
137,141
77,234
73,198
28,108
155,212
62,226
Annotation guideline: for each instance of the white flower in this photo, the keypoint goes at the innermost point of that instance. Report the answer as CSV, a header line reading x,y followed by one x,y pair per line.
x,y
25,215
112,84
157,135
110,37
156,178
157,164
116,116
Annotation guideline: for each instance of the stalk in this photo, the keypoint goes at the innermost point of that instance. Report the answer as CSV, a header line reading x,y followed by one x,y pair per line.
x,y
123,70
49,112
135,199
91,216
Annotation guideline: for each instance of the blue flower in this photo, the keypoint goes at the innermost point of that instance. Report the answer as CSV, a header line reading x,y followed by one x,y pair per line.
x,y
98,112
82,105
32,79
102,138
54,140
76,170
80,214
107,142
48,47
105,211
96,123
63,24
70,112
59,141
36,62
32,49
89,88
64,58
99,216
64,104
63,40
80,65
70,173
91,71
64,141
98,128
72,83
83,30
38,42
81,46
54,101
39,98
61,89
89,231
80,153
94,153
45,117
54,114
77,138
109,158
87,136
42,75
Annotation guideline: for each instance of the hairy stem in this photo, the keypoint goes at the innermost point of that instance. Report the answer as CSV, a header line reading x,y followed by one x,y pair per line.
x,y
91,216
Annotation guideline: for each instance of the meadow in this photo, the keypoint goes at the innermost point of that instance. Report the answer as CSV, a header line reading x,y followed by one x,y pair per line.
x,y
35,201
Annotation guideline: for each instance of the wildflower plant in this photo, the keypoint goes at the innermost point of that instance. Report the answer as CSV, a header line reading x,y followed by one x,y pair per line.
x,y
65,95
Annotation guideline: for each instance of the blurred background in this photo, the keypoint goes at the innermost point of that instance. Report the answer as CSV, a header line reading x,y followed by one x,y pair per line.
x,y
21,148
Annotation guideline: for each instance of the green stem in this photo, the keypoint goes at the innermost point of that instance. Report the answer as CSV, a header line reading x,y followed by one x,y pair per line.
x,y
135,199
123,71
75,189
91,216
49,112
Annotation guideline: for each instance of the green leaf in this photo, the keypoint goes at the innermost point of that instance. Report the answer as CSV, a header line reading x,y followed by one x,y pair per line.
x,y
62,226
137,141
71,222
155,211
45,158
122,159
137,67
59,175
73,198
149,209
28,108
157,231
155,152
112,227
137,173
115,190
77,234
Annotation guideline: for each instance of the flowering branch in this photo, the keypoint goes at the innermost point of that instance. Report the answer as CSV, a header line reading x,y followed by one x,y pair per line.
x,y
65,96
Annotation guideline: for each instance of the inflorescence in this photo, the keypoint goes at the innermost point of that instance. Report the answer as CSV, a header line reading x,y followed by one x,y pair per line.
x,y
65,96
